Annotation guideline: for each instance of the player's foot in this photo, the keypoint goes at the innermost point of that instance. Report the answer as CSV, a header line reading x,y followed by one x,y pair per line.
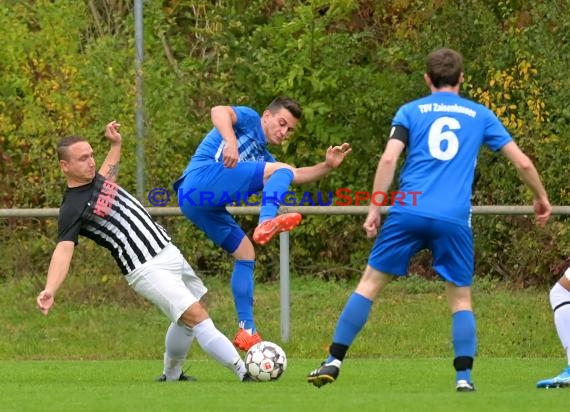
x,y
463,386
248,378
245,340
560,381
183,377
323,375
281,223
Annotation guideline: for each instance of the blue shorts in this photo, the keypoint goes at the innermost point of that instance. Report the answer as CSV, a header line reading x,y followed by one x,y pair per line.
x,y
403,235
203,194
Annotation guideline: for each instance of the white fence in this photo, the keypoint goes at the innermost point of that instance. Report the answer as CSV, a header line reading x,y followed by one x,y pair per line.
x,y
305,210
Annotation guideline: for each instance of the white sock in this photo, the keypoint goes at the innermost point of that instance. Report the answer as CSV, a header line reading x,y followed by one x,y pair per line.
x,y
177,343
560,302
219,347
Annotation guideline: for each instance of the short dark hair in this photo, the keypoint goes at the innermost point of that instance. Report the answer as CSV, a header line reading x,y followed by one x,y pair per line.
x,y
64,144
444,67
284,102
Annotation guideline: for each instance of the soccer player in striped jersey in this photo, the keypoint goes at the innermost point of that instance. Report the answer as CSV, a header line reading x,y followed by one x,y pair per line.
x,y
442,134
230,163
95,206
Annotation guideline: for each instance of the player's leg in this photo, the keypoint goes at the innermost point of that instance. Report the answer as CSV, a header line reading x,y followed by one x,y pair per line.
x,y
149,281
560,303
389,257
214,186
177,344
220,226
277,177
452,251
243,286
211,340
463,335
350,322
170,283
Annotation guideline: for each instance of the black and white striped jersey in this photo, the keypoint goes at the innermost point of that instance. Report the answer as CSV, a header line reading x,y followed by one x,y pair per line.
x,y
114,219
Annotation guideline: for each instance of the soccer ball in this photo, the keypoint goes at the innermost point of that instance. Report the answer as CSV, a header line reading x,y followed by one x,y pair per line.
x,y
265,361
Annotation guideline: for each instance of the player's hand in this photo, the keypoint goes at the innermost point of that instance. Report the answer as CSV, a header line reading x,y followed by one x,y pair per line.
x,y
372,222
112,132
45,301
231,155
335,155
542,211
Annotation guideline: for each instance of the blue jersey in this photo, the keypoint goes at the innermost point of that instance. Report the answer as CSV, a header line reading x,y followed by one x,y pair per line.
x,y
251,142
445,134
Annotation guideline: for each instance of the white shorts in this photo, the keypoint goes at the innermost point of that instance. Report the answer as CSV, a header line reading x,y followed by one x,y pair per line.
x,y
168,281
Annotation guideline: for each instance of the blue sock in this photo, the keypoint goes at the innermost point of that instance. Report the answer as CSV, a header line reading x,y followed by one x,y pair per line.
x,y
274,188
242,290
463,333
351,320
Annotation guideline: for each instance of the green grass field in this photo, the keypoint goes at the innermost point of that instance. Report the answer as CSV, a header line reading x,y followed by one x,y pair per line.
x,y
364,385
101,348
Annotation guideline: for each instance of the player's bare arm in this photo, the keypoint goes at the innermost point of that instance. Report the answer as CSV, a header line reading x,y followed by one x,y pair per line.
x,y
334,157
529,175
223,119
110,166
57,272
383,178
387,164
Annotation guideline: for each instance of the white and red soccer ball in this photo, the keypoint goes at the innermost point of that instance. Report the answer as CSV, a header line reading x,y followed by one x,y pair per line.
x,y
265,361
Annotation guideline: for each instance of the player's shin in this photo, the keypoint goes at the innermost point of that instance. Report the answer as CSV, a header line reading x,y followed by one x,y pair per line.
x,y
219,347
177,343
464,339
273,191
242,290
351,321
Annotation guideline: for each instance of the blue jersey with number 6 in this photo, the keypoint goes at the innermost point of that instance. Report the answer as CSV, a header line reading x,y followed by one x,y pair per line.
x,y
445,133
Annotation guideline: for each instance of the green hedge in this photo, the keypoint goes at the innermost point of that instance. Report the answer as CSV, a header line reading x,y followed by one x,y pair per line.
x,y
67,67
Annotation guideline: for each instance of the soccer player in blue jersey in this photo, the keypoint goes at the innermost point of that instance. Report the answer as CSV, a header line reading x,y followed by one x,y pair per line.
x,y
442,134
231,162
560,303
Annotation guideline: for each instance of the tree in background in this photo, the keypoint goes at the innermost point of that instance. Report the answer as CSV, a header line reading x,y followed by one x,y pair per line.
x,y
66,67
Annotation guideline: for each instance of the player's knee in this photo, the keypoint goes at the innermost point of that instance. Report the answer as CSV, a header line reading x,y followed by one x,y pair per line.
x,y
204,301
244,250
194,314
271,168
